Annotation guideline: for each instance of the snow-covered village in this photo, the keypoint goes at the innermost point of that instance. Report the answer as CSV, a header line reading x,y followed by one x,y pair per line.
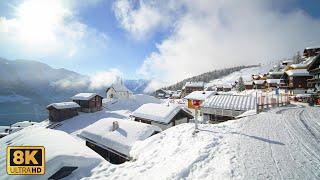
x,y
214,106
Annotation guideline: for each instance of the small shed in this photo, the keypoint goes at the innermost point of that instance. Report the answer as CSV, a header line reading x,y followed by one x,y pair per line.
x,y
89,102
113,138
162,115
226,107
118,91
248,85
198,96
62,111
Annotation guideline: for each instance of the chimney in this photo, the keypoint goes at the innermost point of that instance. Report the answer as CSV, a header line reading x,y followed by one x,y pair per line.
x,y
115,125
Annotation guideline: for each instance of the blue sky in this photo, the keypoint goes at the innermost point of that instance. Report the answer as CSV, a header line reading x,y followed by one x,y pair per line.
x,y
161,40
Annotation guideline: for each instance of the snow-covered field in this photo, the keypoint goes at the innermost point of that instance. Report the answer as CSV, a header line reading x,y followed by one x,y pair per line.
x,y
280,144
246,74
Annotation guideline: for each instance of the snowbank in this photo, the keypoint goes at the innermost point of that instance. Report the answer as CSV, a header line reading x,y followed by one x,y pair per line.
x,y
130,104
174,154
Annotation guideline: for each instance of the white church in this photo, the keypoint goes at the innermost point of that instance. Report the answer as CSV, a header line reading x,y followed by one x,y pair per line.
x,y
118,91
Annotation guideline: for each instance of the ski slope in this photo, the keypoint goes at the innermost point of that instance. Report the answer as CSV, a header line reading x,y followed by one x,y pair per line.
x,y
280,144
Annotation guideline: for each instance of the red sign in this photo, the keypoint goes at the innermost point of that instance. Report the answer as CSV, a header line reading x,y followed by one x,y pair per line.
x,y
196,103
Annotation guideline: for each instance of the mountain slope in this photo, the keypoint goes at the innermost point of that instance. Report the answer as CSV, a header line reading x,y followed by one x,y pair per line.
x,y
208,76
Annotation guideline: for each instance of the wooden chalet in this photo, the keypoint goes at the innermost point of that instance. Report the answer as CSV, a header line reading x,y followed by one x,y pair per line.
x,y
162,115
259,84
163,94
61,111
113,138
89,102
189,87
272,83
314,70
295,81
311,51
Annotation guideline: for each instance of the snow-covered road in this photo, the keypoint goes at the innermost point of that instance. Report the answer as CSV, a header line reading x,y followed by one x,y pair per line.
x,y
281,144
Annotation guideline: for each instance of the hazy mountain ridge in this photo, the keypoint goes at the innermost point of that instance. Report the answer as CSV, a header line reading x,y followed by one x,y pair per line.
x,y
26,87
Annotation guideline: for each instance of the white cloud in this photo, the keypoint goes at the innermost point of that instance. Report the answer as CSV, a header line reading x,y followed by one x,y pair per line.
x,y
104,78
94,81
150,16
48,27
213,34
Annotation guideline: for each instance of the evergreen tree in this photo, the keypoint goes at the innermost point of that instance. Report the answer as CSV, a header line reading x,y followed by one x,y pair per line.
x,y
240,85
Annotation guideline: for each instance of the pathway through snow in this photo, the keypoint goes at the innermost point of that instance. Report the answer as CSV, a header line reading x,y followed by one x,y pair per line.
x,y
280,144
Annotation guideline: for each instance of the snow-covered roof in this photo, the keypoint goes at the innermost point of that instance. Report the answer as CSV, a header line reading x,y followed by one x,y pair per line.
x,y
61,150
84,96
230,102
194,84
123,138
259,81
248,83
273,81
276,72
298,72
119,87
298,66
199,95
162,113
23,124
64,105
312,47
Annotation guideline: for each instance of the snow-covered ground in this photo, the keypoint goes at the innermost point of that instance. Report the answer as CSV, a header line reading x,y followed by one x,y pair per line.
x,y
280,144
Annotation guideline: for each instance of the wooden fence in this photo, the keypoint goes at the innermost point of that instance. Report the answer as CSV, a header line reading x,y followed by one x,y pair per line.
x,y
266,101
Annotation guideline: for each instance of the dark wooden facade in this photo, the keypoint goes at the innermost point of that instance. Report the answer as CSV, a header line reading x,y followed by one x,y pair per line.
x,y
161,93
108,154
309,52
314,70
248,86
92,105
190,89
259,85
58,115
